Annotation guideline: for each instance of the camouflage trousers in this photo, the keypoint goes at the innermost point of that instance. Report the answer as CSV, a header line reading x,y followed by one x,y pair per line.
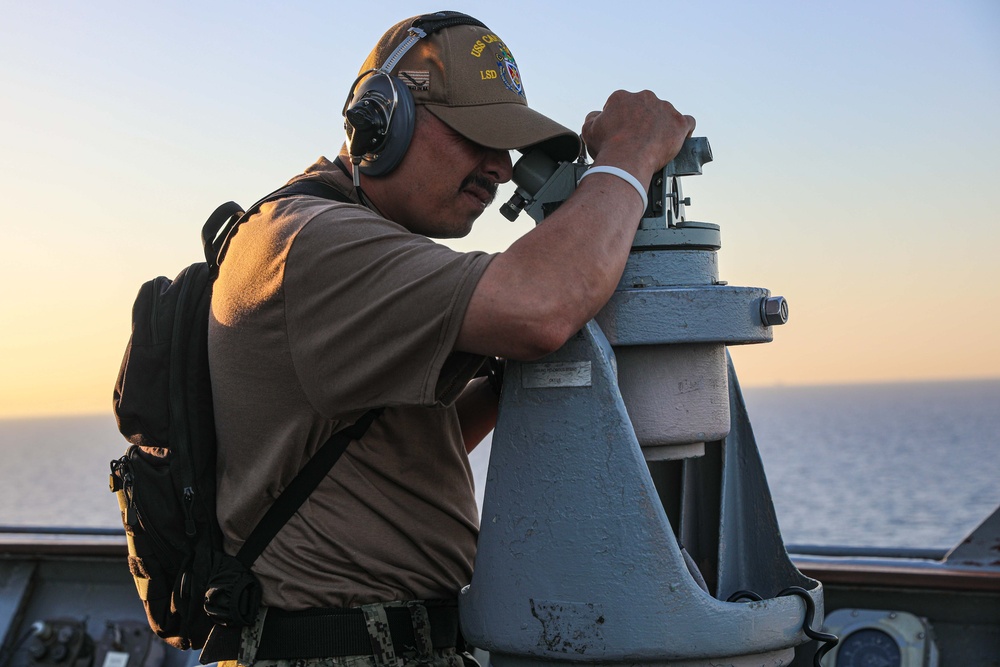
x,y
422,655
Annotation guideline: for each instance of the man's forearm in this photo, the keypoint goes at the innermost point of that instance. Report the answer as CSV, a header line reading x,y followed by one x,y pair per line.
x,y
477,412
545,287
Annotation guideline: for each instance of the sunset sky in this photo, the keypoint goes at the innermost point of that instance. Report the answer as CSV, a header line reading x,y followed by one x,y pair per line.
x,y
856,173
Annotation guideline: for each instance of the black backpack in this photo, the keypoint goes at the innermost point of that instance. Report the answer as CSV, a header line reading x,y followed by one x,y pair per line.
x,y
165,482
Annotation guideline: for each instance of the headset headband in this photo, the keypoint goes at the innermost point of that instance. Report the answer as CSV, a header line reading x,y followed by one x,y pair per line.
x,y
422,26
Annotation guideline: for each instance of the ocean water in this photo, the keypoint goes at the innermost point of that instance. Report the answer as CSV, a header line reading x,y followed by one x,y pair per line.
x,y
888,465
895,465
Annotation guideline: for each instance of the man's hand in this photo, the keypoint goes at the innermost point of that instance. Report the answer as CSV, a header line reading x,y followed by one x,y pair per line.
x,y
637,132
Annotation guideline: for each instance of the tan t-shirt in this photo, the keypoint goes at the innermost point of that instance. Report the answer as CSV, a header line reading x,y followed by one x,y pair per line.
x,y
321,311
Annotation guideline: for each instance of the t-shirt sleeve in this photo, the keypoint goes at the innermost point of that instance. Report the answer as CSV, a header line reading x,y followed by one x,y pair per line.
x,y
373,311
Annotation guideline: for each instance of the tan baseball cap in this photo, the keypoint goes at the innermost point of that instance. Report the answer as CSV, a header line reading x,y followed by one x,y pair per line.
x,y
466,76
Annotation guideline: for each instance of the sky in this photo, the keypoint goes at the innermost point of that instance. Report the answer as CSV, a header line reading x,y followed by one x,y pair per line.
x,y
856,160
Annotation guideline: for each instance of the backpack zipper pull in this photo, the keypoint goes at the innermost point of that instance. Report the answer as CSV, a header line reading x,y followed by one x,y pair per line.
x,y
115,479
189,527
132,512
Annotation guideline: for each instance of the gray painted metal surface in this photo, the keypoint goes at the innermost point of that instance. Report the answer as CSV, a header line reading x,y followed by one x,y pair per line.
x,y
577,558
15,583
981,548
711,313
63,588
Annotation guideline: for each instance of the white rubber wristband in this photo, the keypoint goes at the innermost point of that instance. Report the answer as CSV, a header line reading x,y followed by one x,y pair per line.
x,y
622,174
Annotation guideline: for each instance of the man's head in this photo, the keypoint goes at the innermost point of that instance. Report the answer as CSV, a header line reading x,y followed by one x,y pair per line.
x,y
461,72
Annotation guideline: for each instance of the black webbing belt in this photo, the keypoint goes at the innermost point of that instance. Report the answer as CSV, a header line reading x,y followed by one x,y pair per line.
x,y
330,633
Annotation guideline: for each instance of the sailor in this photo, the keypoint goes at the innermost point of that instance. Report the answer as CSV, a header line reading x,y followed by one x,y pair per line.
x,y
324,310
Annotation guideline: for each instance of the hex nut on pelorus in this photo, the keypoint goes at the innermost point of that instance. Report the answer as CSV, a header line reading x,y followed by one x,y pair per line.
x,y
774,310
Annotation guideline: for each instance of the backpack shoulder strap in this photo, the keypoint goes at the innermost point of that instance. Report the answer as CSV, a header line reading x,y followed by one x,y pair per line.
x,y
221,226
301,487
225,217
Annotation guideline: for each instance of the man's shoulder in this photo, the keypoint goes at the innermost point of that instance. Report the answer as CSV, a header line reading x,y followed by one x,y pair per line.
x,y
337,201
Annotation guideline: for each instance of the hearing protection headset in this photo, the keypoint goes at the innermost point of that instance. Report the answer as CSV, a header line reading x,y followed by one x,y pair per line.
x,y
379,112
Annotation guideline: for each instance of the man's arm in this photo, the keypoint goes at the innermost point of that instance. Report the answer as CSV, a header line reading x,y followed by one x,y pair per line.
x,y
477,412
555,278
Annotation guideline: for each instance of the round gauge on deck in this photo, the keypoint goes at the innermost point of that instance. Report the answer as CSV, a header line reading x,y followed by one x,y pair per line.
x,y
868,648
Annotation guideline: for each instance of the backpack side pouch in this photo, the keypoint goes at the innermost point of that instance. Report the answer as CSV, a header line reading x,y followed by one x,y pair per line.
x,y
157,559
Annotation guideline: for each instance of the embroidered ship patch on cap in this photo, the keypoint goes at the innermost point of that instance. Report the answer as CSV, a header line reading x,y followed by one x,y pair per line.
x,y
508,70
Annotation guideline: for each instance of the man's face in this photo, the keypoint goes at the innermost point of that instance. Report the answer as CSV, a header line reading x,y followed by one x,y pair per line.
x,y
443,183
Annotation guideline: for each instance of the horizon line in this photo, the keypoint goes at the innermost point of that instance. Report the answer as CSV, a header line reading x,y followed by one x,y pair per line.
x,y
774,385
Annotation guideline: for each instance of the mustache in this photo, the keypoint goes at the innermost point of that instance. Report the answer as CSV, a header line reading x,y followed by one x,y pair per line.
x,y
482,182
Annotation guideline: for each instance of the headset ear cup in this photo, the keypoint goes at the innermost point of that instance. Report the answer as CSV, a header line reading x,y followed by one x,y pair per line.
x,y
379,131
398,134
